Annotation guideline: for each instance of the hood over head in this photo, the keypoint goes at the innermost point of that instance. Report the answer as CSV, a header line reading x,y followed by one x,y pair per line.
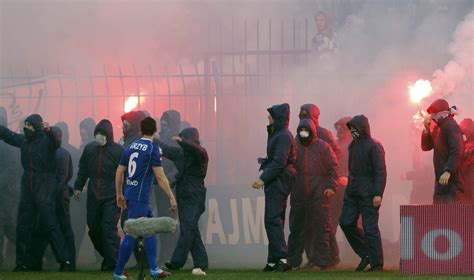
x,y
190,133
361,123
134,118
36,120
281,116
105,127
439,105
309,125
310,111
172,119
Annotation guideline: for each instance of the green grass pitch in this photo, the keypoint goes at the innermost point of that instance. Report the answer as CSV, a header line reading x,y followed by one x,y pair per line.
x,y
225,275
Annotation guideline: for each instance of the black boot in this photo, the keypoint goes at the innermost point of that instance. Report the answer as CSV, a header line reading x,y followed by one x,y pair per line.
x,y
269,268
282,267
363,264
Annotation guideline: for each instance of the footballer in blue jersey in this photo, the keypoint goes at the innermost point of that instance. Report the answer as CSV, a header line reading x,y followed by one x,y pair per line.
x,y
141,164
140,158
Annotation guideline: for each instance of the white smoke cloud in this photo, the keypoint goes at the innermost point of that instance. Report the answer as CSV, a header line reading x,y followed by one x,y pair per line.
x,y
458,73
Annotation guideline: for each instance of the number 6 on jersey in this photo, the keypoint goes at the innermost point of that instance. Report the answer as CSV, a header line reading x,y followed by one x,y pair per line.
x,y
132,164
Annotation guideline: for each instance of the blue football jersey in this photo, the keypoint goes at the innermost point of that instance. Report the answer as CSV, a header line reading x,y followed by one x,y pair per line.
x,y
139,159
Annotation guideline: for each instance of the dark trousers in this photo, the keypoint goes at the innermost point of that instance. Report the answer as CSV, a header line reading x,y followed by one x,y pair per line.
x,y
190,210
38,224
275,209
102,218
167,241
64,219
310,231
367,243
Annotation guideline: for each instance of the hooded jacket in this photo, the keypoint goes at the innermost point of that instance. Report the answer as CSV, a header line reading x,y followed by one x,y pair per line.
x,y
191,160
170,126
312,111
445,139
133,132
37,152
316,166
99,163
367,170
279,168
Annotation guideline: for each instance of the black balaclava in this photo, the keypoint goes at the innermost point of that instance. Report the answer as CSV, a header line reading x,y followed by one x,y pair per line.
x,y
37,122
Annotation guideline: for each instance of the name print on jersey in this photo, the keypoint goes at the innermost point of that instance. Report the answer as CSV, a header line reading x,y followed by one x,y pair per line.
x,y
139,146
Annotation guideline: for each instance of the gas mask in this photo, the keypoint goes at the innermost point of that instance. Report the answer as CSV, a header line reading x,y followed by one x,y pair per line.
x,y
304,134
355,133
100,139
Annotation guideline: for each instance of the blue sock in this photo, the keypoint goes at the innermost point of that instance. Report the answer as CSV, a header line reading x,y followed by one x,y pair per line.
x,y
126,249
150,248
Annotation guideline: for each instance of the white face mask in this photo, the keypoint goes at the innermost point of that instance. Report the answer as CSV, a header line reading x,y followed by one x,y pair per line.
x,y
101,139
304,134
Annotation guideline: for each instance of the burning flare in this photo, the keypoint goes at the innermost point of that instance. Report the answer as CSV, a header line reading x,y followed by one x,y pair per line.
x,y
130,104
420,90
